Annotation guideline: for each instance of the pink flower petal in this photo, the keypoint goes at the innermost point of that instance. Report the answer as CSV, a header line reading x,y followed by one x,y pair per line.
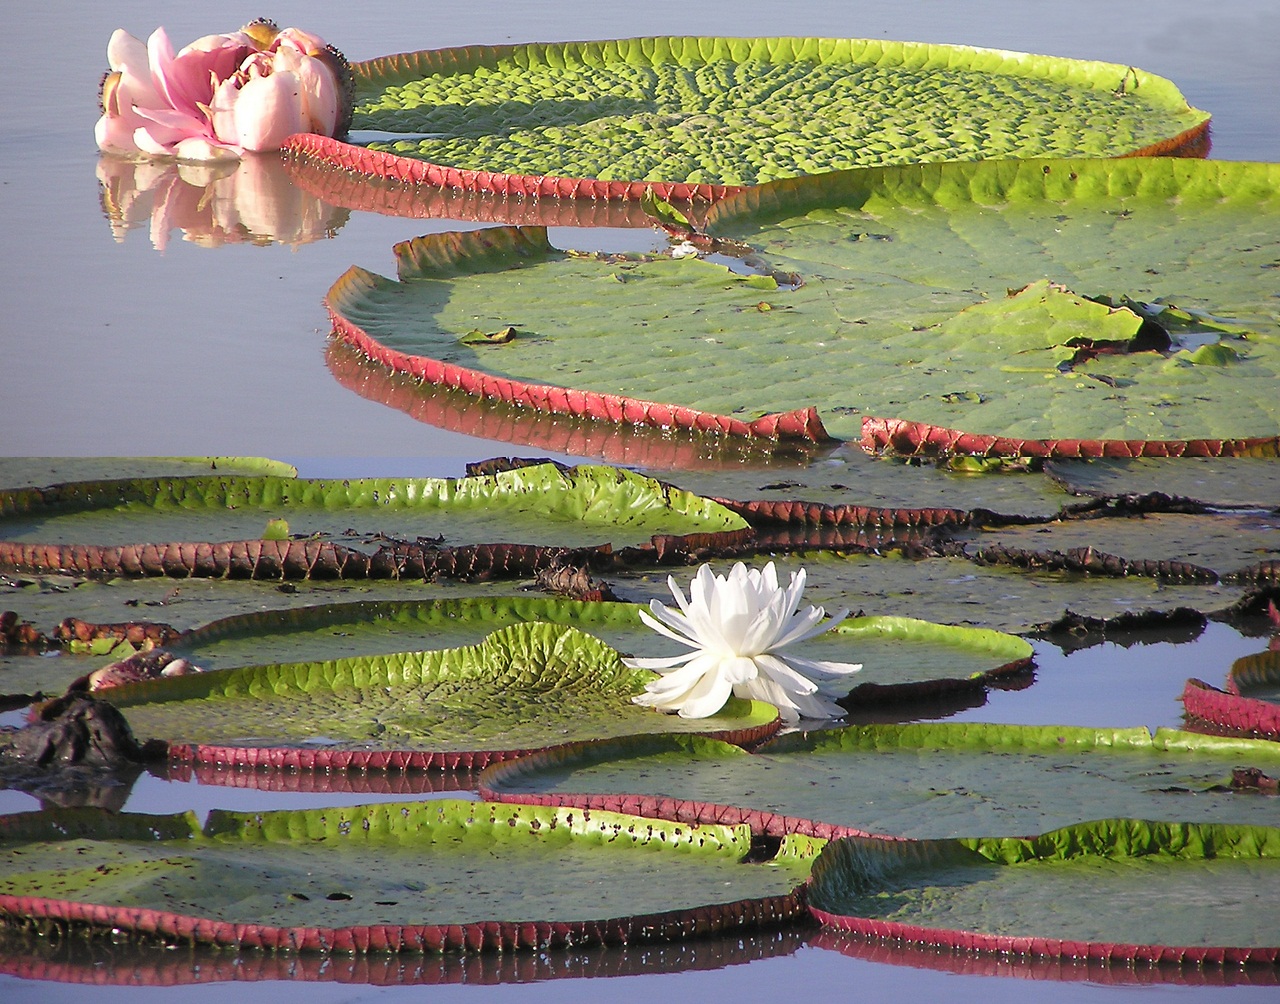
x,y
268,110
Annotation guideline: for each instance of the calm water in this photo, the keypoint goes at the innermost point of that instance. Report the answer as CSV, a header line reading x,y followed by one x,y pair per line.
x,y
114,348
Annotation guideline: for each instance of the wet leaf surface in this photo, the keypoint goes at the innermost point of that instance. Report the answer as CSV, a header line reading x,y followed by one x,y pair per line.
x,y
440,863
741,111
871,332
919,781
1175,885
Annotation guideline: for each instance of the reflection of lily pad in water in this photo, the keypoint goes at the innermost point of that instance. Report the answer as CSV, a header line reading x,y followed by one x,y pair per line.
x,y
1097,889
921,781
866,333
739,111
415,876
526,686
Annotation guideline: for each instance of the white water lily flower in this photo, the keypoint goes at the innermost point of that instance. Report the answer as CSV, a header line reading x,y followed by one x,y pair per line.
x,y
736,625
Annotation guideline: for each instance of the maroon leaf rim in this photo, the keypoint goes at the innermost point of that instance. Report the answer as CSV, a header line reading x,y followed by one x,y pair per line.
x,y
1106,971
1015,945
312,150
337,185
291,758
920,439
1246,715
958,940
628,445
90,963
479,936
275,560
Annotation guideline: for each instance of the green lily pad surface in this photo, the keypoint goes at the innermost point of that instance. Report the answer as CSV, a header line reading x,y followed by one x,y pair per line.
x,y
1227,481
893,650
1224,542
526,686
343,630
889,259
921,781
958,591
539,504
1092,889
36,472
740,111
331,878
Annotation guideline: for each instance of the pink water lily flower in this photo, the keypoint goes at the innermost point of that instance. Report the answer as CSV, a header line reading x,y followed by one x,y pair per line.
x,y
736,625
221,95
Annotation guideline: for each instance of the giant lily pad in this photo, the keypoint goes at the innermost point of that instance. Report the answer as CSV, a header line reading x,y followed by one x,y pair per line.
x,y
598,119
1119,888
1216,545
922,781
36,472
957,591
900,654
526,686
538,504
889,257
428,876
1225,482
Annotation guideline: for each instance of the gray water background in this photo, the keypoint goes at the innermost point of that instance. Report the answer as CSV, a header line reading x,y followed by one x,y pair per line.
x,y
111,349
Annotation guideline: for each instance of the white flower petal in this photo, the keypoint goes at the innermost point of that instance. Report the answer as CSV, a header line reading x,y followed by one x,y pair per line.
x,y
783,675
664,614
799,627
659,664
762,688
823,668
707,697
737,623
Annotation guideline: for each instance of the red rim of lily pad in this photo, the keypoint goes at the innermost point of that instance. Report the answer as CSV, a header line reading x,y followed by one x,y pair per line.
x,y
279,758
1231,711
312,149
310,159
88,963
373,181
920,439
1109,971
970,941
452,409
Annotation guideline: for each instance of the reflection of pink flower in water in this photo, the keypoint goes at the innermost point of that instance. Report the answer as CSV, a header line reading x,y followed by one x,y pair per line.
x,y
249,201
222,95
